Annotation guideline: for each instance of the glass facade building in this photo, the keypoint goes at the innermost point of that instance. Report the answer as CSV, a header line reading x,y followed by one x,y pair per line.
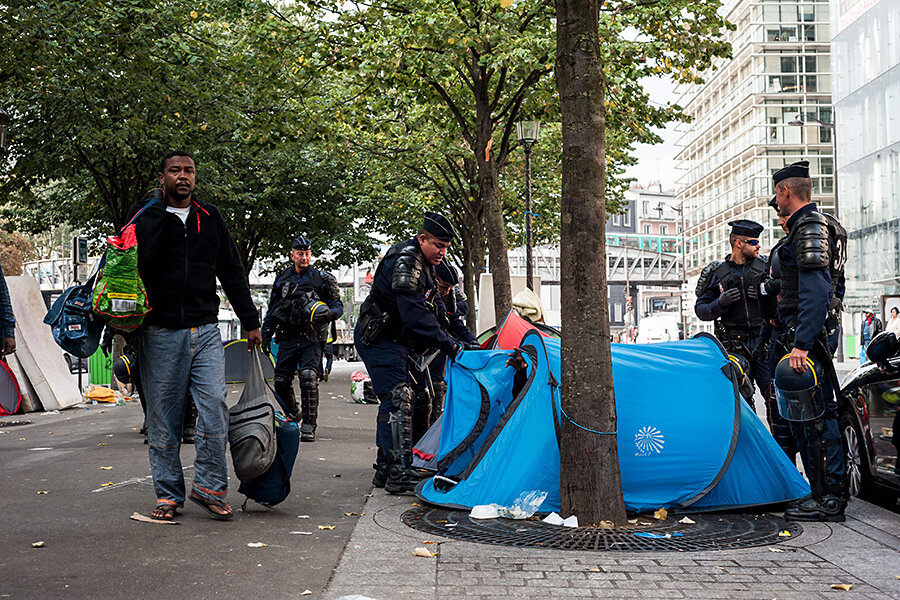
x,y
866,64
740,132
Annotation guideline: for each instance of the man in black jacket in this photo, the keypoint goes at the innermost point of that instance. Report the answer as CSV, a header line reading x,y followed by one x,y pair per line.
x,y
183,247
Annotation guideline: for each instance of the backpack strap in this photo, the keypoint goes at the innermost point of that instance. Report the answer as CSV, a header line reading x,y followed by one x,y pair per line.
x,y
143,208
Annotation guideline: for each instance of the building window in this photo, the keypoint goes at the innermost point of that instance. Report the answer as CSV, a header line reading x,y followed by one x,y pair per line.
x,y
646,230
627,217
617,312
663,230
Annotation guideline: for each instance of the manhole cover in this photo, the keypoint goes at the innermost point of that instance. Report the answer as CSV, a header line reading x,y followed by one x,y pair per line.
x,y
708,532
4,423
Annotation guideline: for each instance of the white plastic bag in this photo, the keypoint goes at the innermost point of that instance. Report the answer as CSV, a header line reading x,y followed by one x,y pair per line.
x,y
525,505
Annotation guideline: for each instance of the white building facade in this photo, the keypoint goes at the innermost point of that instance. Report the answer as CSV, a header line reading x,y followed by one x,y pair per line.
x,y
741,129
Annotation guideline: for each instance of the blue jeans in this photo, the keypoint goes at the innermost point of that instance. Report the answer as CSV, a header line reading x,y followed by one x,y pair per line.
x,y
174,362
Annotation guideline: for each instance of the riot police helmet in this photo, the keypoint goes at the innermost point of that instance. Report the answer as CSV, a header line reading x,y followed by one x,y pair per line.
x,y
301,243
799,395
124,368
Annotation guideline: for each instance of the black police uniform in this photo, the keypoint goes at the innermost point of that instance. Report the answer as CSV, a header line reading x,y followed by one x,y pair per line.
x,y
429,402
766,350
811,261
301,308
400,318
738,325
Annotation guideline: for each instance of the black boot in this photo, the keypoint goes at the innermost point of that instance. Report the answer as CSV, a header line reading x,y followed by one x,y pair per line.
x,y
401,477
380,477
401,480
309,402
284,387
829,509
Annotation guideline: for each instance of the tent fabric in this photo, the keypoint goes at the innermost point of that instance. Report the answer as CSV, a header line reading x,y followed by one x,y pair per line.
x,y
685,438
237,362
10,396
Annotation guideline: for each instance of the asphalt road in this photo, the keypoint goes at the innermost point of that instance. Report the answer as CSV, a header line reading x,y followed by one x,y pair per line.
x,y
51,490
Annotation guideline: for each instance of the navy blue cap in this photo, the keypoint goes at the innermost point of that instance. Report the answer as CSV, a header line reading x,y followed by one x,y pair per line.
x,y
438,226
447,272
301,243
798,169
746,227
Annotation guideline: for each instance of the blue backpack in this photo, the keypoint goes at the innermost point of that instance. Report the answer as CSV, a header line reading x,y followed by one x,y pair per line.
x,y
76,329
274,486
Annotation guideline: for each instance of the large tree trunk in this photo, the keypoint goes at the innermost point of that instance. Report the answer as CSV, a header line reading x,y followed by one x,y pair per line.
x,y
590,489
495,230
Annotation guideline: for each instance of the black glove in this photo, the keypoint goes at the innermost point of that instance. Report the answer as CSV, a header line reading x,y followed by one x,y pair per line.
x,y
455,351
761,351
772,287
267,345
729,297
471,346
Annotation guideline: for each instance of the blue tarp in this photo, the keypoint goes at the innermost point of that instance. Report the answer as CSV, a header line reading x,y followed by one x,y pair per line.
x,y
685,438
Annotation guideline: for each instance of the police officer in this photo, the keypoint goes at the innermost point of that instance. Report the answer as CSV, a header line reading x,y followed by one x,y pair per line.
x,y
431,388
400,317
811,261
765,348
303,304
728,292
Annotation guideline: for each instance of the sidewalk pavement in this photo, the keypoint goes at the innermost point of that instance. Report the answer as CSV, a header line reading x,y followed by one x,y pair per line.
x,y
378,563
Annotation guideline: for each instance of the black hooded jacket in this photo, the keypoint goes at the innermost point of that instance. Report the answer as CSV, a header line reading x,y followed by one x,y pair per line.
x,y
179,263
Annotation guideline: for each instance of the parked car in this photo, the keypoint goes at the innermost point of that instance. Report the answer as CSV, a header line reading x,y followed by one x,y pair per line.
x,y
868,415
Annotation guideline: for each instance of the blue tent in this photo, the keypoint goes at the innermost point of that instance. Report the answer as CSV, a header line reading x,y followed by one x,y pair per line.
x,y
685,438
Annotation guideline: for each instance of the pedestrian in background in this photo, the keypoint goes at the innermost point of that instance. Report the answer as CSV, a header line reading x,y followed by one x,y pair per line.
x,y
7,320
183,247
894,322
870,327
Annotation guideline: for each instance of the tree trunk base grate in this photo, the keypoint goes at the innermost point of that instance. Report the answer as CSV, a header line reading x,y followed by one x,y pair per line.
x,y
710,531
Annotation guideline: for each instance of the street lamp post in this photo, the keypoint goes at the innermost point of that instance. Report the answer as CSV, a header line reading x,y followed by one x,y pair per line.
x,y
681,303
4,128
528,134
799,122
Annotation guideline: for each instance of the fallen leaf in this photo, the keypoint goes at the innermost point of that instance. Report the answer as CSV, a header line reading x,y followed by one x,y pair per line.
x,y
306,593
337,475
607,525
37,545
775,550
594,570
687,521
22,439
414,504
424,553
106,468
98,445
784,533
302,516
429,542
256,545
107,484
328,527
351,514
661,514
842,586
43,492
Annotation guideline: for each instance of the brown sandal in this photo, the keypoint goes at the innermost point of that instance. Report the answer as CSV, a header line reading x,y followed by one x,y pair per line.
x,y
164,511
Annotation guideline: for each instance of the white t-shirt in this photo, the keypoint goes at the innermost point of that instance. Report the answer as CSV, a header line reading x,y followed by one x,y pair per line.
x,y
181,212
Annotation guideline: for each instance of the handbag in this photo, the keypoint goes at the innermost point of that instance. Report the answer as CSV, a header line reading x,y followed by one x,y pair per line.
x,y
251,427
119,296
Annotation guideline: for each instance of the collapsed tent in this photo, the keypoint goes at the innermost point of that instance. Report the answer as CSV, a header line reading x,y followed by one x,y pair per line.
x,y
10,396
237,362
685,438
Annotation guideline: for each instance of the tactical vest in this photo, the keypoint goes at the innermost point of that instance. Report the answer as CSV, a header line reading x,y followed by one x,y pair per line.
x,y
295,296
789,301
744,315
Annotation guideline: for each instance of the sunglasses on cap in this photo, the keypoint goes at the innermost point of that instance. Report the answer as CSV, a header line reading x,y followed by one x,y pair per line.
x,y
751,242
